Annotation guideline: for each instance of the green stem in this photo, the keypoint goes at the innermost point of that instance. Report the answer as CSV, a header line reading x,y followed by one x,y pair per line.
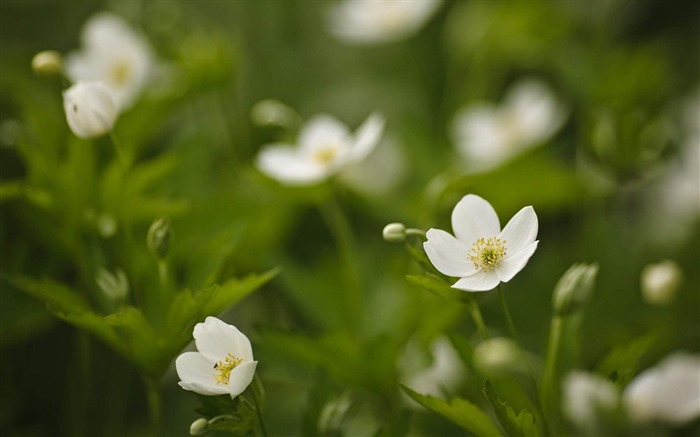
x,y
415,231
257,410
154,405
509,319
163,278
475,313
549,389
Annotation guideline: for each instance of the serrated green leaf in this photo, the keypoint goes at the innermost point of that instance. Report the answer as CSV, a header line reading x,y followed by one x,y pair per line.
x,y
148,349
520,425
622,363
437,285
215,300
459,411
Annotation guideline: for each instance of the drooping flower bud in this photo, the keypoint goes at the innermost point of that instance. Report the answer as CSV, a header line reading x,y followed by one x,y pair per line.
x,y
574,289
394,232
158,238
660,282
199,427
500,357
90,109
47,63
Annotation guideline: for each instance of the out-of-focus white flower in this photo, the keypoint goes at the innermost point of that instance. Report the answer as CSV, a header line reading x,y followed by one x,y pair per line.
x,y
90,109
325,147
445,370
113,53
587,398
380,173
500,357
224,363
488,135
481,254
669,392
367,22
660,282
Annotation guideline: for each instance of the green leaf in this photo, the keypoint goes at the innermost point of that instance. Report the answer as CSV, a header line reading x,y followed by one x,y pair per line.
x,y
458,411
148,349
236,416
437,285
622,363
216,299
520,425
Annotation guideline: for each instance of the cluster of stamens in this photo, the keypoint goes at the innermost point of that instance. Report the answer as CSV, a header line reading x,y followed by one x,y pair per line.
x,y
325,154
224,368
487,253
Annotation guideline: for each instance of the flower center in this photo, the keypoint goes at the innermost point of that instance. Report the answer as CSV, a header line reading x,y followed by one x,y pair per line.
x,y
120,72
325,154
224,368
487,253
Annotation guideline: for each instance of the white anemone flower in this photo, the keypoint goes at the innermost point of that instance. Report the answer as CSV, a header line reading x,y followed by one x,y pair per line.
x,y
114,54
90,108
487,135
224,363
480,253
669,392
325,147
367,22
587,398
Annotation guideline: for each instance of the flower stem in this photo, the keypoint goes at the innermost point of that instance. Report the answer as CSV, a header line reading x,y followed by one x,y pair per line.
x,y
257,410
163,278
506,312
549,388
154,404
475,313
415,231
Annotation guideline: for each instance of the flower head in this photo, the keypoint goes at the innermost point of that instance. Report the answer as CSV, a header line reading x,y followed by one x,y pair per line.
x,y
480,253
487,135
325,146
224,363
114,54
90,109
363,22
660,282
588,399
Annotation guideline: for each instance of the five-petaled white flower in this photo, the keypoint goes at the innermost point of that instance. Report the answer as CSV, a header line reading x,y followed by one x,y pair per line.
x,y
224,363
113,53
325,147
488,135
481,254
90,109
364,22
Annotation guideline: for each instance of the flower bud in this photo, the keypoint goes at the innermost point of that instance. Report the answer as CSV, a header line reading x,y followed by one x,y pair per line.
x,y
660,282
47,63
199,427
500,357
394,232
91,110
158,238
574,289
272,112
115,287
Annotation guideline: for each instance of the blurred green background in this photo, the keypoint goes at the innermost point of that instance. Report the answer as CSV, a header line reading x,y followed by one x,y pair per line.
x,y
627,69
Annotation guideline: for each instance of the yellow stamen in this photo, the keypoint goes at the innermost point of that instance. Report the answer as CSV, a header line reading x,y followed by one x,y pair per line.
x,y
224,368
325,154
487,253
120,72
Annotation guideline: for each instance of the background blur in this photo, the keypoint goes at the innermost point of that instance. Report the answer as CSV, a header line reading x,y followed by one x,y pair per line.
x,y
616,185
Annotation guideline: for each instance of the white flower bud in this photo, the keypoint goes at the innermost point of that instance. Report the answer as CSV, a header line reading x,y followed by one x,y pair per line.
x,y
158,238
394,232
199,427
272,112
660,282
115,287
574,289
47,63
500,357
90,109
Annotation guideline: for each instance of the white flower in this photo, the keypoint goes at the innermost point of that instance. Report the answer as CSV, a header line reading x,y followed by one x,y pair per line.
x,y
587,397
325,146
366,22
115,54
443,369
660,282
224,363
669,392
488,135
90,109
481,254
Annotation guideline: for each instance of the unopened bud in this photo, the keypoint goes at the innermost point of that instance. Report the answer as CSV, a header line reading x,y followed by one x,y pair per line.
x,y
114,286
660,282
158,238
199,427
47,63
573,291
500,357
394,232
272,112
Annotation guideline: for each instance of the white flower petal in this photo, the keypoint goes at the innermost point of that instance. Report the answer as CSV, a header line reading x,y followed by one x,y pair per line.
x,y
480,137
474,218
241,376
196,374
287,165
512,264
481,281
669,392
521,230
448,255
322,131
90,108
367,137
216,339
534,110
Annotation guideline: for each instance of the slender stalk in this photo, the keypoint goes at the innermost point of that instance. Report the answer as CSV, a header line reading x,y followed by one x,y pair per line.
x,y
475,313
154,404
163,278
415,231
506,312
549,388
257,410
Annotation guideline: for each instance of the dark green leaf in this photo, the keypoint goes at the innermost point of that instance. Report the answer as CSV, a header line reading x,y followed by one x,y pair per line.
x,y
520,425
